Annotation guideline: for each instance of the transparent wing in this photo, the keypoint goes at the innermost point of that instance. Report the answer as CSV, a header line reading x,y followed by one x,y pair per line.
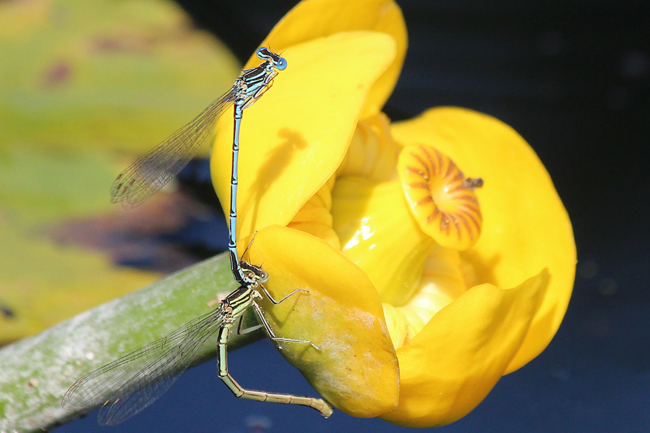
x,y
160,165
126,386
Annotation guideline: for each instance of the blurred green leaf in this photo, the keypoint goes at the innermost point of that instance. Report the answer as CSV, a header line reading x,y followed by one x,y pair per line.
x,y
41,281
89,74
39,185
85,86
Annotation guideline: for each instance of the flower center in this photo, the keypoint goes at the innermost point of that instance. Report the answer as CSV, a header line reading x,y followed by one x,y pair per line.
x,y
401,215
441,199
406,234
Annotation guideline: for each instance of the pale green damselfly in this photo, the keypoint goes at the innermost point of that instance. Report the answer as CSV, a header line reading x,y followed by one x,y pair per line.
x,y
128,385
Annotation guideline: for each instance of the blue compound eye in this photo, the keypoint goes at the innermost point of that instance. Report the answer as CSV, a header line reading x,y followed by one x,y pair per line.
x,y
281,64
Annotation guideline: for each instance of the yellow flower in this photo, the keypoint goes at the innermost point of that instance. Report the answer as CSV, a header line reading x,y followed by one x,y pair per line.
x,y
424,287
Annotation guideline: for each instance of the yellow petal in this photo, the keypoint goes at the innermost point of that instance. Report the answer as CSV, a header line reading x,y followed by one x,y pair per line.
x,y
355,368
454,362
315,19
315,217
378,234
441,283
372,154
525,225
296,135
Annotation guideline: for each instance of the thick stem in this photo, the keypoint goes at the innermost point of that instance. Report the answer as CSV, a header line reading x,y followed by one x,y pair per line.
x,y
36,372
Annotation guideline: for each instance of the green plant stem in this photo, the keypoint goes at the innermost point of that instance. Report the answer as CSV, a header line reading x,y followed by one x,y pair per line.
x,y
36,372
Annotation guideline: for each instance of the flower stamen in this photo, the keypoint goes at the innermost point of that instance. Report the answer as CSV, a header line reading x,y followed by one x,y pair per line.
x,y
440,197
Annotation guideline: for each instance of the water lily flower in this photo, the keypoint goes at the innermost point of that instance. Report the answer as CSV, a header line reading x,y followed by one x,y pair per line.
x,y
435,253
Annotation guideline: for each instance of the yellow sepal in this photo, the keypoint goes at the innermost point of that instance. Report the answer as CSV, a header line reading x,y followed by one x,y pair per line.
x,y
316,19
354,367
296,135
455,361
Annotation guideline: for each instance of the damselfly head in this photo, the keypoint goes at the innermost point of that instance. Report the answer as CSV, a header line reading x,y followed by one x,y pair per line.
x,y
279,63
256,273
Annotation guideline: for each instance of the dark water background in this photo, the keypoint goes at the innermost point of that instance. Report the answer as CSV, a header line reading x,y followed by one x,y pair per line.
x,y
573,78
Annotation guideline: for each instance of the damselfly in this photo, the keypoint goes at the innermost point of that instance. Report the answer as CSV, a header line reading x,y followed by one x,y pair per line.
x,y
159,166
126,386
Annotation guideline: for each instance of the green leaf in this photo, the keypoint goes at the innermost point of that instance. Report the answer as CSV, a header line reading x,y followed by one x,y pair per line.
x,y
101,73
82,84
38,370
44,280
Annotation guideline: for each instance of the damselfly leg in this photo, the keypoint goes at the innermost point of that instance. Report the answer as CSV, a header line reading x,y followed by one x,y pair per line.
x,y
222,357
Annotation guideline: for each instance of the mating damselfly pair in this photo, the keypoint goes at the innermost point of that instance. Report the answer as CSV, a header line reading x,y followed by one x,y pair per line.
x,y
128,385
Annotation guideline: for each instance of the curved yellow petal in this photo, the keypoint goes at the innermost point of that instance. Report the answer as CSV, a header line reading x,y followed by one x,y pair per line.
x,y
441,283
315,216
296,135
372,154
355,367
379,235
313,19
454,362
525,225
